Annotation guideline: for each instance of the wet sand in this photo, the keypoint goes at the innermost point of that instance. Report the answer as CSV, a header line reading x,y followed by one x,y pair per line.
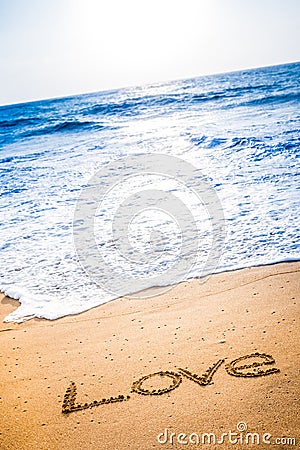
x,y
173,355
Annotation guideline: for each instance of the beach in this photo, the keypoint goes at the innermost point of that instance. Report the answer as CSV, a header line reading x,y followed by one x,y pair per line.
x,y
163,372
149,232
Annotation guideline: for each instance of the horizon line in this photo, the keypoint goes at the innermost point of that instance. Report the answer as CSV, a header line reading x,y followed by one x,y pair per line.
x,y
144,84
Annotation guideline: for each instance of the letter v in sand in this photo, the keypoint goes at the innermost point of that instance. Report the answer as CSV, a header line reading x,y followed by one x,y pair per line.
x,y
206,377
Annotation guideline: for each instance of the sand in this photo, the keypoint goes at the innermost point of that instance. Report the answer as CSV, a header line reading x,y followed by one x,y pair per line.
x,y
157,353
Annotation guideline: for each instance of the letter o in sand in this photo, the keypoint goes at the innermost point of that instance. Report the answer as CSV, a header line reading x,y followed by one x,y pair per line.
x,y
175,382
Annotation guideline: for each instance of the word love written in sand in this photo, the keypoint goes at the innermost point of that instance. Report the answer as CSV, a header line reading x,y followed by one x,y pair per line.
x,y
234,368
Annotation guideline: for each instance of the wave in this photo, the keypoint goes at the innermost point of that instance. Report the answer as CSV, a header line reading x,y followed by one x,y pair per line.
x,y
26,128
145,105
276,98
26,157
64,126
20,122
237,143
133,106
262,148
227,94
139,105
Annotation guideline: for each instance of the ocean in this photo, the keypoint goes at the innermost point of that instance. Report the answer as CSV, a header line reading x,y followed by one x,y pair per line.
x,y
111,193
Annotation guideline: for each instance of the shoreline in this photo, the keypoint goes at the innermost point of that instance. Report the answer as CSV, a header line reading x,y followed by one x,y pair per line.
x,y
160,352
133,295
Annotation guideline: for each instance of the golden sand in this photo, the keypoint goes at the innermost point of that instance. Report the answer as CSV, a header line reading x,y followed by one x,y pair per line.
x,y
131,374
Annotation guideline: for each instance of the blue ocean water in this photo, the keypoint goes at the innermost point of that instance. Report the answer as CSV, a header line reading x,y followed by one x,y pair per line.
x,y
241,130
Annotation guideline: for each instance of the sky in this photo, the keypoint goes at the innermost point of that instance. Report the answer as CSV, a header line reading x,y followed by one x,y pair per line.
x,y
56,48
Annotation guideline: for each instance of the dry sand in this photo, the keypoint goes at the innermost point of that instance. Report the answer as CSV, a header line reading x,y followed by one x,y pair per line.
x,y
106,350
